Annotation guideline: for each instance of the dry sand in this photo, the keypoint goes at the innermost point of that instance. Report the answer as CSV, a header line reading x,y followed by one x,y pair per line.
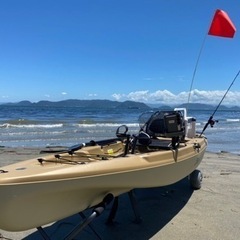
x,y
172,212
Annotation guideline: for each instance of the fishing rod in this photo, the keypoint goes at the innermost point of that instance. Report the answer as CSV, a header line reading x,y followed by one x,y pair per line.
x,y
210,121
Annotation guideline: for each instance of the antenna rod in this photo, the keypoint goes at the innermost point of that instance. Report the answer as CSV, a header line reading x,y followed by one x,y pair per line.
x,y
195,70
210,121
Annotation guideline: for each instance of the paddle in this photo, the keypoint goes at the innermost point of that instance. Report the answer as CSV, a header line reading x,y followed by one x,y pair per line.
x,y
77,147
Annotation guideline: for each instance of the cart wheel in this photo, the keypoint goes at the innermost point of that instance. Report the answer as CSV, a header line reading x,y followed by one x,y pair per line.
x,y
195,179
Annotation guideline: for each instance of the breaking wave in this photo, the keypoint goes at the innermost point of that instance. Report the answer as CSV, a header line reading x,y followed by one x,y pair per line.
x,y
9,125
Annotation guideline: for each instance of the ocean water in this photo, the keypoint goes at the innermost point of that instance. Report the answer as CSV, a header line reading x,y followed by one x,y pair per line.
x,y
65,126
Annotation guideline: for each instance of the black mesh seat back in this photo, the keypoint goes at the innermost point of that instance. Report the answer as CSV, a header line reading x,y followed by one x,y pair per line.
x,y
156,127
165,124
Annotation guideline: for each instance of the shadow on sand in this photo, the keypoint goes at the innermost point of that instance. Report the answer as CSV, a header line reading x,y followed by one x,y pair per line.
x,y
157,207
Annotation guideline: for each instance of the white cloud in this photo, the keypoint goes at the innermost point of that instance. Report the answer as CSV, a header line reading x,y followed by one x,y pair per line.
x,y
5,97
118,96
167,97
64,93
139,96
92,95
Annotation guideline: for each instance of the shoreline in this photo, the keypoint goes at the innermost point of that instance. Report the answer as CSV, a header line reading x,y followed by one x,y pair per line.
x,y
22,153
171,212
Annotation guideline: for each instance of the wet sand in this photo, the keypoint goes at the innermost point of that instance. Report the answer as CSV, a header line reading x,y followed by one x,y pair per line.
x,y
172,212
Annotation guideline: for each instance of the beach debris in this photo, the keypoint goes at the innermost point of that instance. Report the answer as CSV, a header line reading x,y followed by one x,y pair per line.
x,y
225,172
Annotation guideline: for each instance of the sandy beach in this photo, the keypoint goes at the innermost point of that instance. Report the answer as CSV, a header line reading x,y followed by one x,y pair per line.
x,y
172,212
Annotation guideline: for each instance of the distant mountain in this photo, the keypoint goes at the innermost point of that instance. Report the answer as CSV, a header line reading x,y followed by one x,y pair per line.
x,y
22,103
197,106
101,104
200,106
79,103
132,105
194,106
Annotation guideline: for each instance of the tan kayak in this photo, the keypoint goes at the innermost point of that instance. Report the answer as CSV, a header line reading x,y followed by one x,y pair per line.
x,y
40,191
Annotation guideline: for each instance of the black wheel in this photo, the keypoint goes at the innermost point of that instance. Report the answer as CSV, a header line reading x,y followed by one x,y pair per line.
x,y
195,179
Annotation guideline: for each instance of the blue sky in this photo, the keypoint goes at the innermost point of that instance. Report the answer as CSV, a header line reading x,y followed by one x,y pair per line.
x,y
143,50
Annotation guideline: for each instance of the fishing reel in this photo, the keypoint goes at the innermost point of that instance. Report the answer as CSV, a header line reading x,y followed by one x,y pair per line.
x,y
212,122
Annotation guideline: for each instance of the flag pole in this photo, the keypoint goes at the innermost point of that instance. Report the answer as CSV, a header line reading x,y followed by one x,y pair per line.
x,y
221,26
195,70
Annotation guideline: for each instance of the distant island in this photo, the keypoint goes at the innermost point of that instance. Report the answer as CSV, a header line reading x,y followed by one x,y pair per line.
x,y
103,104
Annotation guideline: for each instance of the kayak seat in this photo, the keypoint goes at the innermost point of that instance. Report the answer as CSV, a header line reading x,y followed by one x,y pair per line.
x,y
165,144
163,130
145,142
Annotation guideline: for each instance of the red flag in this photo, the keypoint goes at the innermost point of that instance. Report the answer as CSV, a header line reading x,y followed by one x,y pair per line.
x,y
222,25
